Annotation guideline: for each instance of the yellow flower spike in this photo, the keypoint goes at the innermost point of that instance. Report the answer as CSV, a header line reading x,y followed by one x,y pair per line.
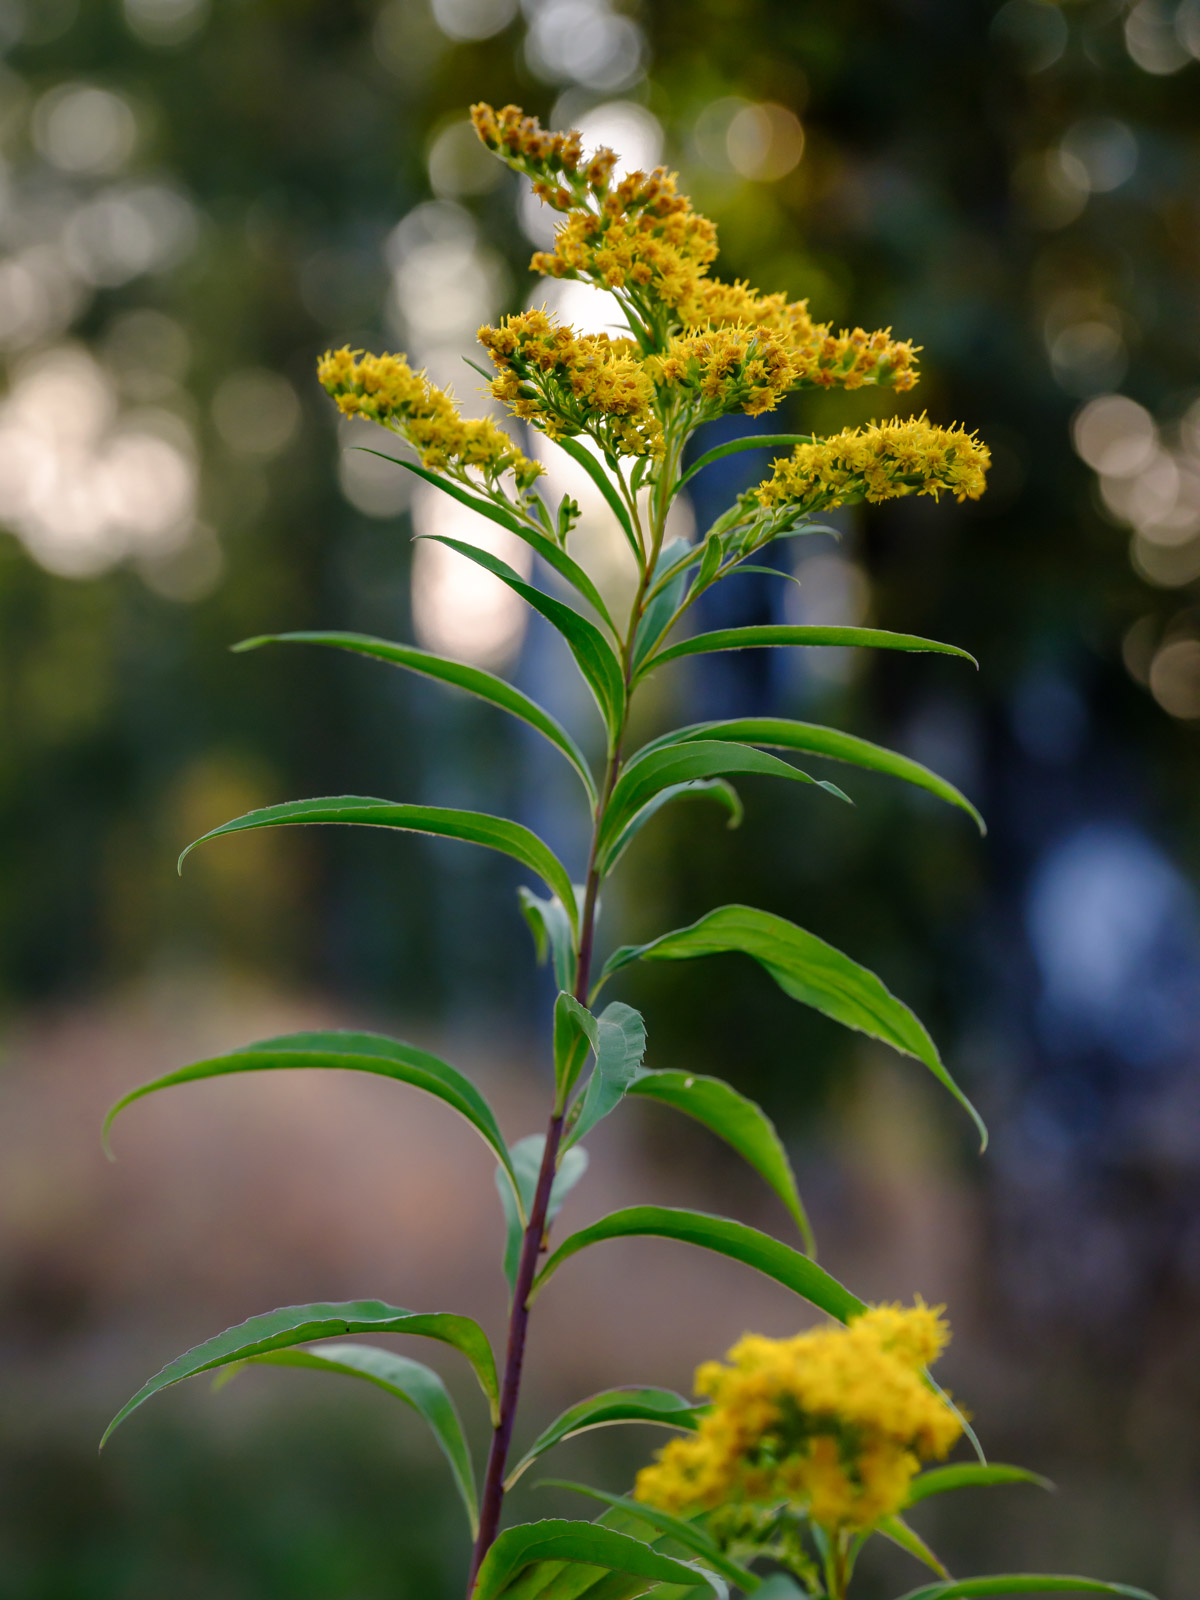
x,y
834,1423
385,389
879,462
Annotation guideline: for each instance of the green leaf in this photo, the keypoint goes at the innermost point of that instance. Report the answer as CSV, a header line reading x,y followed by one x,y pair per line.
x,y
574,1031
551,929
665,603
526,1159
898,1531
782,634
553,1580
486,685
1010,1583
344,1051
293,1325
593,654
754,441
618,1038
585,459
411,1381
661,1407
682,762
506,515
689,1534
739,1122
473,827
970,1475
734,1239
813,739
583,1543
811,971
695,789
710,562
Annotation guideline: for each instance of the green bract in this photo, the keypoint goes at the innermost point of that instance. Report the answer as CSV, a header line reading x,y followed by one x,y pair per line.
x,y
625,412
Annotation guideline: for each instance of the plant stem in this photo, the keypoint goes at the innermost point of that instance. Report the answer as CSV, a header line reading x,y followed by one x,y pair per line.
x,y
534,1238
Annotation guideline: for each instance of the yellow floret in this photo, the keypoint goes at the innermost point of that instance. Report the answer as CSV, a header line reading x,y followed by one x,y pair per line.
x,y
834,1423
569,383
386,390
879,462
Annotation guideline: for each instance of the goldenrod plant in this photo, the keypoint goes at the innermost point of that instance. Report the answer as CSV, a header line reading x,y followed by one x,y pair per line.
x,y
798,1450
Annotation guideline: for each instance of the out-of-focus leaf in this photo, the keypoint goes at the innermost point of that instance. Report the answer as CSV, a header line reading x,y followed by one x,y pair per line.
x,y
293,1325
486,685
648,774
1010,1583
336,1050
551,929
472,827
811,971
696,789
411,1381
618,1038
739,1122
813,739
595,657
970,1475
662,1408
526,1158
898,1531
584,1543
689,1534
734,1239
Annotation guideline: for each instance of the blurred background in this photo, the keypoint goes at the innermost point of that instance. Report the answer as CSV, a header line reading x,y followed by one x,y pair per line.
x,y
195,200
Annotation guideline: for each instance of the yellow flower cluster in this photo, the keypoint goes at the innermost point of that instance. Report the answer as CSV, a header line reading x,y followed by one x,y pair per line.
x,y
645,238
569,383
385,389
878,462
554,161
833,1423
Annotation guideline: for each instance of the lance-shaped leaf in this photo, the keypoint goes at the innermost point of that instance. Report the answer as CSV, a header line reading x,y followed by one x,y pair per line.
x,y
663,605
486,685
662,1408
733,1239
739,1122
585,1544
1010,1583
574,1031
899,1533
671,764
551,929
472,827
691,1535
295,1325
553,1580
584,458
809,737
774,634
411,1381
753,441
336,1050
695,789
511,517
618,1038
811,971
526,1158
970,1475
595,657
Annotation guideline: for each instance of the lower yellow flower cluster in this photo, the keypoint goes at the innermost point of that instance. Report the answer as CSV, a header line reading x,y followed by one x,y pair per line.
x,y
386,390
569,383
878,462
833,1423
